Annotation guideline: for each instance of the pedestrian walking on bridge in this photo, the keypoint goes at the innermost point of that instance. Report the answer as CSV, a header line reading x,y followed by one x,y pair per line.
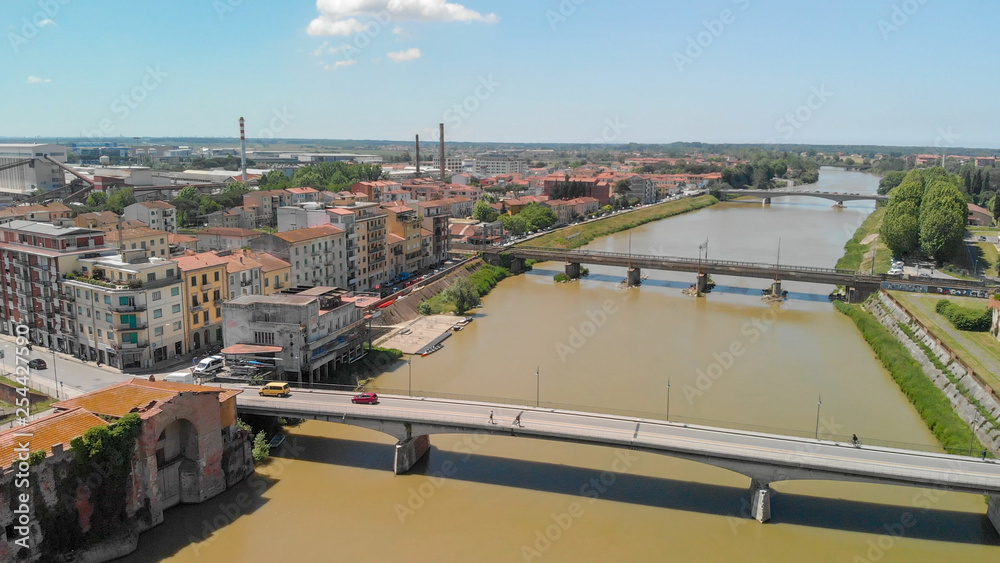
x,y
517,419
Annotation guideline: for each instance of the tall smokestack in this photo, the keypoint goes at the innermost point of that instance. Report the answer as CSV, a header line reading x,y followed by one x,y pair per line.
x,y
442,152
243,151
418,156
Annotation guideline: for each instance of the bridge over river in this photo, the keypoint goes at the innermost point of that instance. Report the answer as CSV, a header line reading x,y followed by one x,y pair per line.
x,y
764,458
859,284
840,198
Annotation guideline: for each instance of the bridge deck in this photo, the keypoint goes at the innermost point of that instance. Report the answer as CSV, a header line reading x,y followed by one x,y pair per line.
x,y
767,457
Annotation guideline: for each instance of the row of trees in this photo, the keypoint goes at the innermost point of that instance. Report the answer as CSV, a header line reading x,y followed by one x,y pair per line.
x,y
332,176
977,184
533,217
926,215
116,200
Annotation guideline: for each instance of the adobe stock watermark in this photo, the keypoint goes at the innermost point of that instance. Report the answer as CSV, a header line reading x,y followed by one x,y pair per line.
x,y
714,28
417,497
876,549
900,15
32,25
123,106
225,7
751,332
461,111
561,522
562,13
580,334
280,119
612,131
792,121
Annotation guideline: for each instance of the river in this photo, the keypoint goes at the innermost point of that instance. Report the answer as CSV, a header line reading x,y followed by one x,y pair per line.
x,y
331,494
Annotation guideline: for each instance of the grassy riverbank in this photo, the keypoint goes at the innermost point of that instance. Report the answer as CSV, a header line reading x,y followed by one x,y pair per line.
x,y
579,235
858,253
932,405
483,279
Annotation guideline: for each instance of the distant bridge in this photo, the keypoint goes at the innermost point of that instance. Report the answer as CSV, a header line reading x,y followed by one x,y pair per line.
x,y
859,284
840,198
764,458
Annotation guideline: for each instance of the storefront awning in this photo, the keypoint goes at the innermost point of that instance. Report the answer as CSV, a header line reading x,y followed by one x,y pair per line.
x,y
251,349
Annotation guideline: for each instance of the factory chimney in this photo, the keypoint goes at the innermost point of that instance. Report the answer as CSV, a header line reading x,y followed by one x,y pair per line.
x,y
243,152
418,156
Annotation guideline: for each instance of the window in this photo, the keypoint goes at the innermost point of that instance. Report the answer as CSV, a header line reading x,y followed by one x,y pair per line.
x,y
107,317
99,333
156,295
175,309
175,291
194,319
170,272
204,278
216,295
177,325
157,313
194,281
158,331
216,276
161,241
205,317
107,299
263,338
151,277
218,312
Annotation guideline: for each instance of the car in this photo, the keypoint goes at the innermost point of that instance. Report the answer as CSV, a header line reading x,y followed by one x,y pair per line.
x,y
365,399
275,389
209,365
37,363
180,377
982,239
925,275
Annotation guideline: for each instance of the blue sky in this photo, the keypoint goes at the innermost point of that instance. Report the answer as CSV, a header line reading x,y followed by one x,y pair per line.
x,y
913,72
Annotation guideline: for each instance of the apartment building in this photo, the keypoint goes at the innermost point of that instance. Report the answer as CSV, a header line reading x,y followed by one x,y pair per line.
x,y
129,310
35,258
370,226
404,222
309,333
152,241
277,273
254,273
318,255
159,215
48,213
206,287
435,220
345,219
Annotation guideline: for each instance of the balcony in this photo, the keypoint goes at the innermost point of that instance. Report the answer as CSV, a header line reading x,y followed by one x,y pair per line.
x,y
134,308
245,283
129,345
69,314
128,327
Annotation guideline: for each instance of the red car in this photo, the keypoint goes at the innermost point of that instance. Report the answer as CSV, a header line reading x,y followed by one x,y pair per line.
x,y
365,399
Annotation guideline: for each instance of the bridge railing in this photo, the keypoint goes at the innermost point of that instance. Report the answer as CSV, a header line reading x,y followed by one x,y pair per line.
x,y
515,403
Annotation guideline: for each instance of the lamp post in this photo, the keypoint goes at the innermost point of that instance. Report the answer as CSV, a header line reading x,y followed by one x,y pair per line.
x,y
537,386
409,379
55,372
668,399
972,439
819,404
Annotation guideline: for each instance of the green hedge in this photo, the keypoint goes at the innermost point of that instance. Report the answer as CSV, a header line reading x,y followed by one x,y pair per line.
x,y
930,402
963,318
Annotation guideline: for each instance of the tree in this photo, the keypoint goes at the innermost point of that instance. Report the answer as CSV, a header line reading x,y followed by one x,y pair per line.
x,y
943,215
482,211
996,209
515,224
307,177
463,294
187,202
890,181
538,216
622,187
232,195
97,201
120,198
900,229
909,190
207,205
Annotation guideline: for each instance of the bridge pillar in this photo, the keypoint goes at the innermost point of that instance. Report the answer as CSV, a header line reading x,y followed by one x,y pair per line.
x,y
573,270
634,277
994,511
760,501
765,201
409,452
776,288
839,204
517,265
701,285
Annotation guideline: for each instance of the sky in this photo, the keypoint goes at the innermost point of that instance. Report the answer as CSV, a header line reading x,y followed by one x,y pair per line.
x,y
884,72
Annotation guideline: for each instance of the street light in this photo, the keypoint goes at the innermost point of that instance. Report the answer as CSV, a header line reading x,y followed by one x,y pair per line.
x,y
819,404
668,399
409,386
55,371
537,386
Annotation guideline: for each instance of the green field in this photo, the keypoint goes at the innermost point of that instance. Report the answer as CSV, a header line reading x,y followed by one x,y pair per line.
x,y
580,235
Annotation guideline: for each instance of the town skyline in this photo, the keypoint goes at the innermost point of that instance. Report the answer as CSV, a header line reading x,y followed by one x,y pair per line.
x,y
886,73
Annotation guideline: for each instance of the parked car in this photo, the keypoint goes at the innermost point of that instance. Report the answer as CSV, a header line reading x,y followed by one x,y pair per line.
x,y
276,389
209,365
180,377
365,398
37,363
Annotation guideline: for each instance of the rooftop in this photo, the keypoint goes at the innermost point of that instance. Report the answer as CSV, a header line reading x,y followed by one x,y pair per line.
x,y
49,229
136,395
54,429
299,235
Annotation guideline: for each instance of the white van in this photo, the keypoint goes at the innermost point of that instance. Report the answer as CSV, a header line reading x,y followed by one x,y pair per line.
x,y
180,377
209,365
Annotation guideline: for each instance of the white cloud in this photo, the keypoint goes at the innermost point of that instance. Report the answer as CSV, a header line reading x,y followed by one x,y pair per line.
x,y
319,50
37,80
46,22
340,64
407,55
398,30
338,17
340,49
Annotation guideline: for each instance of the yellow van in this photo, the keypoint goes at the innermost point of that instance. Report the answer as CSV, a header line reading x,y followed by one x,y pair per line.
x,y
276,389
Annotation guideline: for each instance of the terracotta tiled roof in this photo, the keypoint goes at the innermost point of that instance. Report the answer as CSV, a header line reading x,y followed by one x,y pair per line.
x,y
301,190
198,261
57,428
270,262
181,239
133,395
156,204
299,235
228,232
135,233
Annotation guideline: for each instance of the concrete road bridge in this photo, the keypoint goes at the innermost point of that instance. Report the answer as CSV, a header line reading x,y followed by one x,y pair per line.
x,y
859,285
764,458
840,198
